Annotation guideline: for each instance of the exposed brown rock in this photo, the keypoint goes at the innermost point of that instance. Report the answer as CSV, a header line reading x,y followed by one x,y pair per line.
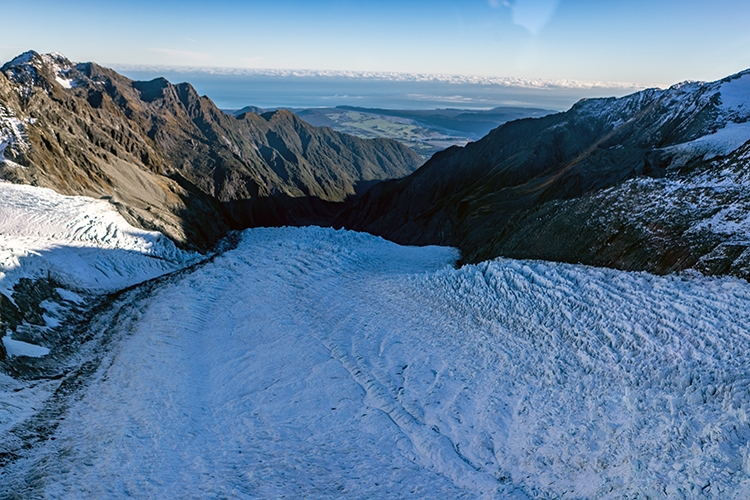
x,y
169,159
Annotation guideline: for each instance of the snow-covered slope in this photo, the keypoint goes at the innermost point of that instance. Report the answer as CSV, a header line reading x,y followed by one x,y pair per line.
x,y
73,242
75,248
726,126
315,363
80,242
716,113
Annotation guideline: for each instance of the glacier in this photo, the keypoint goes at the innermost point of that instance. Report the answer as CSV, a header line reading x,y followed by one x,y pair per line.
x,y
80,241
87,250
309,362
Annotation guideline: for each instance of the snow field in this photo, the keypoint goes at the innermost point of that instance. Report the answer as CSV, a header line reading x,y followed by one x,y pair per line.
x,y
734,114
316,363
721,143
735,127
734,96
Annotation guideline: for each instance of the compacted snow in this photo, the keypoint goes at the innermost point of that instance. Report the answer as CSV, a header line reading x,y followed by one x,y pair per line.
x,y
319,363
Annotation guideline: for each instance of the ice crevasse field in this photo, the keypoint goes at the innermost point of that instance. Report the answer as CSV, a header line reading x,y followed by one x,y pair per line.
x,y
314,362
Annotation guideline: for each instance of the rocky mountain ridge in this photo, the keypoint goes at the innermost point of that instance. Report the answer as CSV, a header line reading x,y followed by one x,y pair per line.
x,y
586,186
169,159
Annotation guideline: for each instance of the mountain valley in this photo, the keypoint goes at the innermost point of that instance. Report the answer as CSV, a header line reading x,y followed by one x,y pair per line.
x,y
424,131
169,159
561,310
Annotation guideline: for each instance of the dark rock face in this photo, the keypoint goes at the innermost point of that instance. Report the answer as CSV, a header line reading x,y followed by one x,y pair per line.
x,y
10,318
169,159
580,186
28,296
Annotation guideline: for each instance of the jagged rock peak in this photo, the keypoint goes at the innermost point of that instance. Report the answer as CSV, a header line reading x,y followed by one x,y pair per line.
x,y
32,68
25,58
169,158
53,60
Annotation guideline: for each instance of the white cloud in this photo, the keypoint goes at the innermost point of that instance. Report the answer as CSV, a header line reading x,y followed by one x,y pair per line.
x,y
530,14
533,14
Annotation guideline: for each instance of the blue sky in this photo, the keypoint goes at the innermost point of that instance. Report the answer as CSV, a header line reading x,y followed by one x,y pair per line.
x,y
655,42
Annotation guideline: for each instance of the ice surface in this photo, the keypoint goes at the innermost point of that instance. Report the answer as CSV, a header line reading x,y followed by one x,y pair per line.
x,y
81,242
319,363
20,400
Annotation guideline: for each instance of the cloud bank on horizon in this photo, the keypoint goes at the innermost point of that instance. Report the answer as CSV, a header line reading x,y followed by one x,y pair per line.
x,y
529,83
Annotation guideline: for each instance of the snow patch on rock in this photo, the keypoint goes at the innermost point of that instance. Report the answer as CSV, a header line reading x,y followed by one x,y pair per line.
x,y
12,133
24,58
62,68
26,70
19,348
721,143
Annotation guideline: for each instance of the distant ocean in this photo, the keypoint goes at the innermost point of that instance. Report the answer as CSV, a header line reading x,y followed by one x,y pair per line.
x,y
231,91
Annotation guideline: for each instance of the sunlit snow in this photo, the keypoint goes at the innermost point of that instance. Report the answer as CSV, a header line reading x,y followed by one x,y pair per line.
x,y
65,83
79,241
309,362
735,95
721,143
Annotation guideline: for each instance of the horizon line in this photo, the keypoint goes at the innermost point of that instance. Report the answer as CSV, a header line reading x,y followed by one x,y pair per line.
x,y
394,76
